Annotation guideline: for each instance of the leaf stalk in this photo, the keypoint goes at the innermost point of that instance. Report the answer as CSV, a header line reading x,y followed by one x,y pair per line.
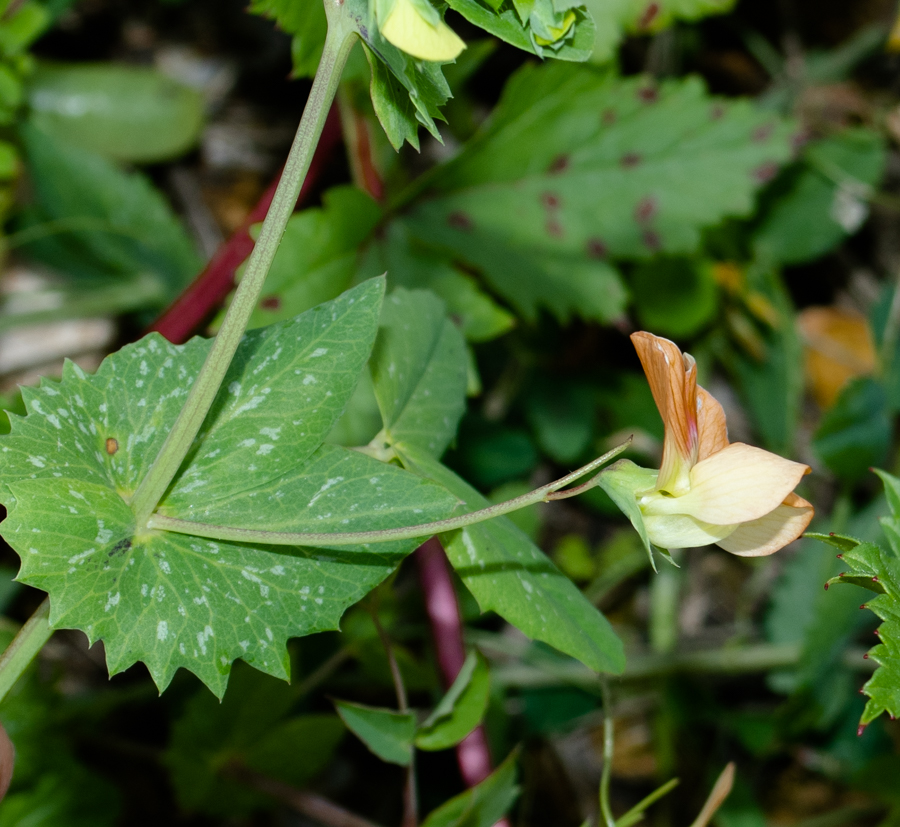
x,y
546,493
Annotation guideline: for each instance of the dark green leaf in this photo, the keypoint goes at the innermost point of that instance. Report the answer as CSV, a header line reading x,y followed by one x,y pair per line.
x,y
674,296
826,199
114,224
855,433
387,733
482,806
460,710
508,574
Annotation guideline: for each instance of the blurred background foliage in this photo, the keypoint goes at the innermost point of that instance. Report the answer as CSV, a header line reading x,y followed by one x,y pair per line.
x,y
724,174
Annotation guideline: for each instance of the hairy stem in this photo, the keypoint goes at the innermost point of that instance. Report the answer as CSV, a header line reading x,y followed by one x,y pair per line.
x,y
31,638
350,538
340,39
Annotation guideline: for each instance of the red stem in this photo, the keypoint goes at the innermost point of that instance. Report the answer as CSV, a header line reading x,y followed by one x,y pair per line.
x,y
207,292
473,754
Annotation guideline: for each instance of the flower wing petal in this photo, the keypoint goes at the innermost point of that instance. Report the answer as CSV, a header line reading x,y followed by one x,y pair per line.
x,y
771,531
680,531
712,431
408,30
736,485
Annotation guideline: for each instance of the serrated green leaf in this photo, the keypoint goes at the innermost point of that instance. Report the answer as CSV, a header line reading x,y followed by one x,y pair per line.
x,y
483,805
870,565
566,35
128,229
419,372
387,733
577,166
460,710
423,82
124,113
839,541
509,575
170,600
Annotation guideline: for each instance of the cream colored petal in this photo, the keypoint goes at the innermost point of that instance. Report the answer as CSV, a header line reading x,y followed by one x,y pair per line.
x,y
679,531
712,431
673,383
738,484
772,531
412,33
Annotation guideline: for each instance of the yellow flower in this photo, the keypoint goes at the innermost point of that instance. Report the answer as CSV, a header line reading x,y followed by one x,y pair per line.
x,y
709,490
408,29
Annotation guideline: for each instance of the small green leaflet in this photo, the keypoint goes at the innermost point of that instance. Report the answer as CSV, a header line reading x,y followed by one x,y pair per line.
x,y
460,710
879,571
387,733
419,371
173,601
550,192
482,806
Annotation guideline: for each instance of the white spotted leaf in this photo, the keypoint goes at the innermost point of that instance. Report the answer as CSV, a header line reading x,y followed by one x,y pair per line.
x,y
70,466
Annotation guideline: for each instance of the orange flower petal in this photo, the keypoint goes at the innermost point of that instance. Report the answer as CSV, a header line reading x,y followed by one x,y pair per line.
x,y
736,485
772,531
673,382
712,431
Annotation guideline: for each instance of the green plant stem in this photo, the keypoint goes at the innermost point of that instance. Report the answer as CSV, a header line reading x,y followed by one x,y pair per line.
x,y
608,750
30,640
284,538
340,39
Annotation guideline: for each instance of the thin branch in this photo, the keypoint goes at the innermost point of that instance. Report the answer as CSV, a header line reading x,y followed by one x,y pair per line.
x,y
305,803
410,796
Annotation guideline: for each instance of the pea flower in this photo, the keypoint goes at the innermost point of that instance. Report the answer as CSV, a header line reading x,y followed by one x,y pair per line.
x,y
415,27
709,490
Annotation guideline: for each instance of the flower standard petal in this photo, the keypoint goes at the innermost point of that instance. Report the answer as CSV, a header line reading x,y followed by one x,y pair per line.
x,y
736,485
771,531
712,432
673,383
